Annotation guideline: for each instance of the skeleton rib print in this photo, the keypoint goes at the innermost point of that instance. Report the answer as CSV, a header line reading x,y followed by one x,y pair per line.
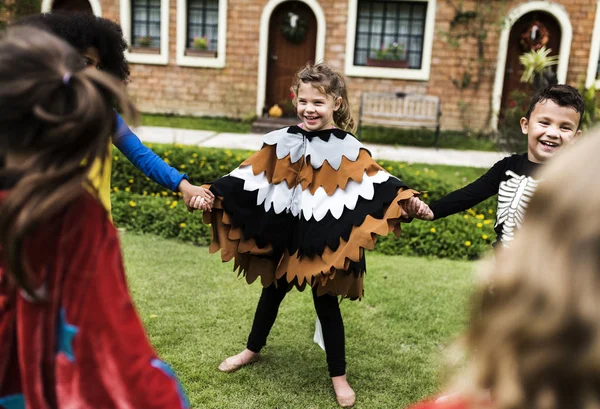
x,y
513,197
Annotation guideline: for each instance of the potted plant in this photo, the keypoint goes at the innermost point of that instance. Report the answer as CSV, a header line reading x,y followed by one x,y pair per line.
x,y
392,56
537,65
199,47
143,44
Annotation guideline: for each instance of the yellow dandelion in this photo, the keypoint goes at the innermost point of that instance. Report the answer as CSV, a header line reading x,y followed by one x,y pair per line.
x,y
433,230
132,203
130,180
191,161
153,194
127,189
425,195
181,166
480,216
167,160
222,167
116,158
195,155
238,158
115,189
390,168
168,202
150,145
145,193
174,204
487,221
490,211
466,216
484,236
480,225
164,193
182,225
472,212
467,243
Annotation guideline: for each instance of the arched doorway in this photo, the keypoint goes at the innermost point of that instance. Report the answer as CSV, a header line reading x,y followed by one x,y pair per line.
x,y
292,43
531,29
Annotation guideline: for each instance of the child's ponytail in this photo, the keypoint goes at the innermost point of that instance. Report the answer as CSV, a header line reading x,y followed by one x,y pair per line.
x,y
56,116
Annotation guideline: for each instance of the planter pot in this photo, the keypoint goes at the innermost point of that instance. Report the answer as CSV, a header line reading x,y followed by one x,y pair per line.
x,y
192,52
373,62
144,50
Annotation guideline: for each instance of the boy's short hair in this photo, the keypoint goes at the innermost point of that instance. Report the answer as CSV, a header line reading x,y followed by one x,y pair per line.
x,y
84,30
563,95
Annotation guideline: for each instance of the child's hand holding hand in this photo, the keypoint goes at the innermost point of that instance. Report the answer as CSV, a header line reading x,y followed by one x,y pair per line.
x,y
415,207
196,197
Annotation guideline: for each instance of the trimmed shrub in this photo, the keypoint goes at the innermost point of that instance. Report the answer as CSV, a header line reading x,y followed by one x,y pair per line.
x,y
141,205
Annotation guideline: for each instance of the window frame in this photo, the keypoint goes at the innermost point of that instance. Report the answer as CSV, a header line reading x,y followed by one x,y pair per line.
x,y
162,58
383,72
594,59
182,31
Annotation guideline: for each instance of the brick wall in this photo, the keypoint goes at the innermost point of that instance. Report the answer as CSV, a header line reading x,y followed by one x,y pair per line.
x,y
231,91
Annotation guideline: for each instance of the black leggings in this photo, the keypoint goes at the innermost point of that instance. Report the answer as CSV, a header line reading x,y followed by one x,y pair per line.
x,y
328,311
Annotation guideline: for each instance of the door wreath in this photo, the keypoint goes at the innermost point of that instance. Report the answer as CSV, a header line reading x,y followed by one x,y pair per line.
x,y
293,28
535,37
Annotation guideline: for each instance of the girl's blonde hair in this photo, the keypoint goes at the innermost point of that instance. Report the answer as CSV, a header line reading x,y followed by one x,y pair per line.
x,y
534,337
329,82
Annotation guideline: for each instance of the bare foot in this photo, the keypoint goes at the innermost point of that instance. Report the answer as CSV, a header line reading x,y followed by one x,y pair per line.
x,y
233,363
343,392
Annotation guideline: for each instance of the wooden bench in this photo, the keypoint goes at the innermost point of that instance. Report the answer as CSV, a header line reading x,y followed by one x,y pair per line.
x,y
400,109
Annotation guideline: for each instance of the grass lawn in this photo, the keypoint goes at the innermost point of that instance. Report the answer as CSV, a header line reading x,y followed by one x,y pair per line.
x,y
198,312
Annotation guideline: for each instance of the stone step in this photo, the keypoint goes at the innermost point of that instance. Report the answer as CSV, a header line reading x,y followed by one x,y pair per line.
x,y
268,124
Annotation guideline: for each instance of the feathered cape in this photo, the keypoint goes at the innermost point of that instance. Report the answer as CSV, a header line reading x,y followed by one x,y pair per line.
x,y
305,206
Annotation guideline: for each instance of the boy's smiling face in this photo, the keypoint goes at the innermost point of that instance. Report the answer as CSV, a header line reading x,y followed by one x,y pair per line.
x,y
549,128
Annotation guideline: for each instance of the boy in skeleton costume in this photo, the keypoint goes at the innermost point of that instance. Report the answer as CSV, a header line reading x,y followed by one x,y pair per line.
x,y
551,122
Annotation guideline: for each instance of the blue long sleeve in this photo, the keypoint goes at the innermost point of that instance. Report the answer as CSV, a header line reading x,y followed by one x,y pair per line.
x,y
144,159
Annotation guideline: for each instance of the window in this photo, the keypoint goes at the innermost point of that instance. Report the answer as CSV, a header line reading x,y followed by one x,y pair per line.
x,y
390,31
145,23
203,25
593,74
201,31
390,38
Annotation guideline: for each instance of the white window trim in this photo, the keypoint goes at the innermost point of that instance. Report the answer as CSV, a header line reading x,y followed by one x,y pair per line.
x,y
566,38
142,58
263,48
189,61
594,53
398,73
95,4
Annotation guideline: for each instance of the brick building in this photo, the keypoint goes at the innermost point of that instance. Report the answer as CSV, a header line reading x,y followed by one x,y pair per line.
x,y
467,54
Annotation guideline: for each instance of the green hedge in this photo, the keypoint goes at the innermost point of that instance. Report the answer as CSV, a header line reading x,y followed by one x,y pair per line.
x,y
141,205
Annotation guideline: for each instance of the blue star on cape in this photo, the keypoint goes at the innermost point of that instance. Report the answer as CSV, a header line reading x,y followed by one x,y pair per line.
x,y
16,401
65,334
157,363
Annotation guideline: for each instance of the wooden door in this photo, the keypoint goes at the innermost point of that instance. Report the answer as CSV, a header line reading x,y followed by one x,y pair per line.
x,y
287,54
514,69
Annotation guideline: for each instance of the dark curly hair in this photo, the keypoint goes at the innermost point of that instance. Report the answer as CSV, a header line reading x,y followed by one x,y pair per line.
x,y
562,95
84,30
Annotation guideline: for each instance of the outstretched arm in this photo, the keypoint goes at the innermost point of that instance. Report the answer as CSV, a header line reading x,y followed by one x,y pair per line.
x,y
154,167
